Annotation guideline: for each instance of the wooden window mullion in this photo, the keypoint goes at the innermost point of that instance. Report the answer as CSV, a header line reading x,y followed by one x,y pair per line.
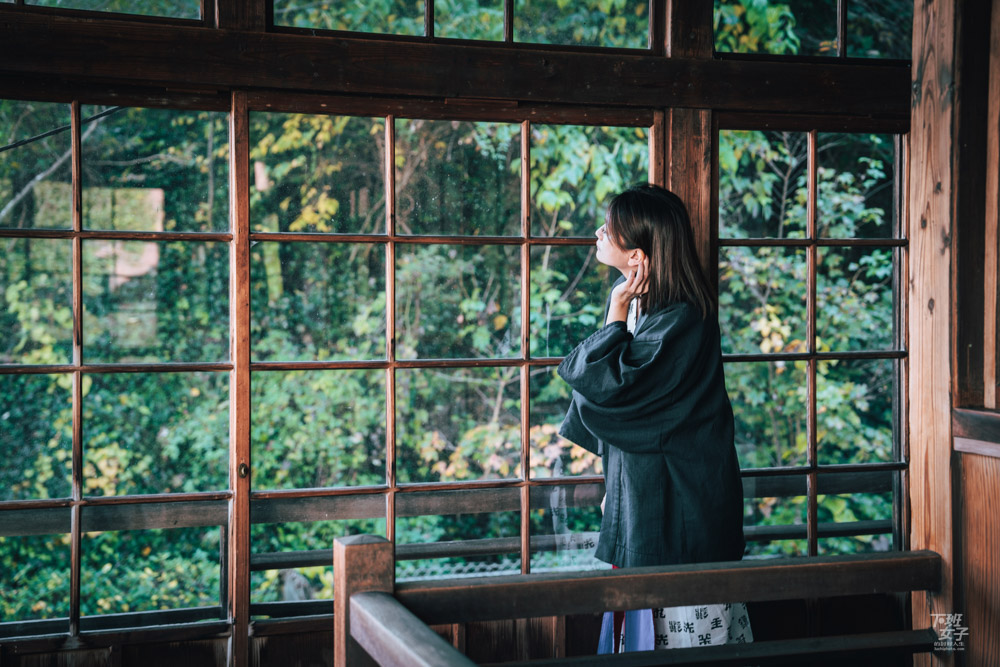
x,y
390,327
812,458
525,347
77,385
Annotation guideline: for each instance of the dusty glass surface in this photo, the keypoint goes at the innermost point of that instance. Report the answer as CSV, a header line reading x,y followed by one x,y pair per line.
x,y
856,185
565,525
177,9
155,301
35,160
779,27
458,177
457,424
622,23
855,309
762,299
863,510
155,433
315,429
763,191
36,577
469,19
769,409
457,301
396,17
854,410
36,320
880,29
317,173
551,454
569,288
317,301
36,436
576,168
155,170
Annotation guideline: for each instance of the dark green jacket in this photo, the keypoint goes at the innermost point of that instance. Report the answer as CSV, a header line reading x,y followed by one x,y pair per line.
x,y
655,407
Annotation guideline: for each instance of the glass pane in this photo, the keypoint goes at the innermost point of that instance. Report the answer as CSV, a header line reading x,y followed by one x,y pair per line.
x,y
36,577
854,304
769,406
458,424
882,29
155,301
551,454
854,403
148,570
397,17
36,320
317,301
458,301
433,544
568,290
785,27
565,525
775,527
178,9
856,185
762,299
313,429
317,173
458,177
156,433
624,23
155,170
36,436
869,514
469,19
292,561
762,184
35,178
574,168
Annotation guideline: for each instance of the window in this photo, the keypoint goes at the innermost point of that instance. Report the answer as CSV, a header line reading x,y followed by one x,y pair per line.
x,y
176,9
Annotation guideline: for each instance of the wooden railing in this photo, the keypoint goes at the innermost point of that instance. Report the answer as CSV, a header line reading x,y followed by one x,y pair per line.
x,y
379,622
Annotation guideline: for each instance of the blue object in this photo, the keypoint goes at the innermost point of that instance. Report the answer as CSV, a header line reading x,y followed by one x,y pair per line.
x,y
637,628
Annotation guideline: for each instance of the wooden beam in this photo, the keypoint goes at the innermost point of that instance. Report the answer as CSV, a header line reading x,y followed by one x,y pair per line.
x,y
991,272
207,59
690,30
980,504
361,563
689,175
931,207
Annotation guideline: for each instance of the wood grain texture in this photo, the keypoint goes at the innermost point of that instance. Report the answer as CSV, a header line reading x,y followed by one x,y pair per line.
x,y
991,265
980,537
690,32
689,171
361,563
931,174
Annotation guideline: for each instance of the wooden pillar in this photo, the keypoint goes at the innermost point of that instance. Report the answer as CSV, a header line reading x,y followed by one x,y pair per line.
x,y
361,563
991,274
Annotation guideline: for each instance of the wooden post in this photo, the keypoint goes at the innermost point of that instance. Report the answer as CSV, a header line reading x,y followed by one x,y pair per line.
x,y
361,563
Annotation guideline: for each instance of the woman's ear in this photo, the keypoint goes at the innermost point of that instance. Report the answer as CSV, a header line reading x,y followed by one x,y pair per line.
x,y
635,257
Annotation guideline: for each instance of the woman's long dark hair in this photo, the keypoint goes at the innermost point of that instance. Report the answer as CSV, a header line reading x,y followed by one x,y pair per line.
x,y
654,220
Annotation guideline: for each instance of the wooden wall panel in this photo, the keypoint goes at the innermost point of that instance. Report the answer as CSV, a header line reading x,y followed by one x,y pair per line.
x,y
980,542
991,272
690,170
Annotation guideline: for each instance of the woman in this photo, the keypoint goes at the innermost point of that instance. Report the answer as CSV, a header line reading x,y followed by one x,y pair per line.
x,y
650,398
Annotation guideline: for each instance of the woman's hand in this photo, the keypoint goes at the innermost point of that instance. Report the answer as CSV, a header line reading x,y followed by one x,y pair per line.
x,y
636,283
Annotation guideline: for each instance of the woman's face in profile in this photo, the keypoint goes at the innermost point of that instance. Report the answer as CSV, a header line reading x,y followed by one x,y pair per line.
x,y
608,252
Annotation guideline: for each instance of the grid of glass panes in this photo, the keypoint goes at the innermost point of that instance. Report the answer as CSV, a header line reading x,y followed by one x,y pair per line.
x,y
114,360
810,306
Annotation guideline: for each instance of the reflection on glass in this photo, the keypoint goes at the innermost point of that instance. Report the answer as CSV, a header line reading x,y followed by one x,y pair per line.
x,y
36,577
762,306
623,24
869,514
177,9
396,17
272,580
462,540
551,454
856,185
769,407
35,178
36,436
788,27
457,301
880,29
775,526
155,433
458,424
146,570
576,168
568,291
317,173
565,525
469,19
155,170
762,184
316,301
313,429
458,177
155,301
854,407
854,299
36,321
